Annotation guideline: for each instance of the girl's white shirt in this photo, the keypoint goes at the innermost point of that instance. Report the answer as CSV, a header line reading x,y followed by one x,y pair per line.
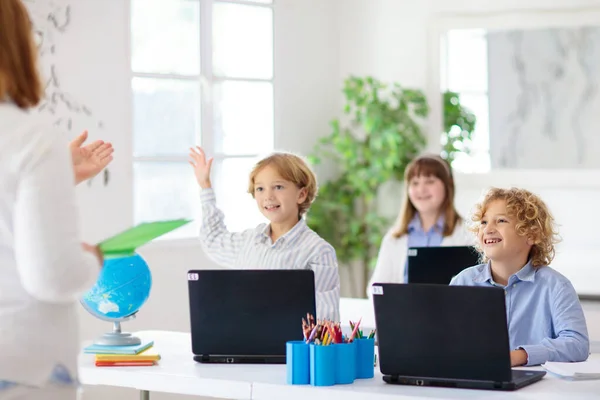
x,y
391,260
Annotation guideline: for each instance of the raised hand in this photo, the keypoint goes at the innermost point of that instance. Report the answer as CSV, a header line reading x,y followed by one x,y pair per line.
x,y
89,160
201,166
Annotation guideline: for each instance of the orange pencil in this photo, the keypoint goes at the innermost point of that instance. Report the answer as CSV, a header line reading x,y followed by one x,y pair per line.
x,y
354,331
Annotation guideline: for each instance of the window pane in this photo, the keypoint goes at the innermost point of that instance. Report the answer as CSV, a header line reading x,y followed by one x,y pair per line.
x,y
166,116
478,161
243,117
230,181
242,41
156,26
467,60
166,191
478,104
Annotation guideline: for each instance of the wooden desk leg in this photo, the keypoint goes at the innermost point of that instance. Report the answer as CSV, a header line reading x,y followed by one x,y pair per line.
x,y
144,395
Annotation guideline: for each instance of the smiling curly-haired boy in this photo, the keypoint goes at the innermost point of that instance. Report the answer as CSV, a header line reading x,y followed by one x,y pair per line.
x,y
516,237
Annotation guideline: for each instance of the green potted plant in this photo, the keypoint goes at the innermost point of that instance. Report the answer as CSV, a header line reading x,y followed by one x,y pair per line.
x,y
380,134
459,125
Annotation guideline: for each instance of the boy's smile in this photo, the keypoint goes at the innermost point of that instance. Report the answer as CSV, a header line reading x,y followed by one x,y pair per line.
x,y
499,238
272,207
491,241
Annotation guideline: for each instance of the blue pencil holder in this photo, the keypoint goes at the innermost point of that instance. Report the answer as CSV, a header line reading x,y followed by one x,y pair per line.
x,y
297,359
323,365
345,372
365,358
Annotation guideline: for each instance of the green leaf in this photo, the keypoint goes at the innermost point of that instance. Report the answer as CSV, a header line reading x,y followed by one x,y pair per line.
x,y
459,125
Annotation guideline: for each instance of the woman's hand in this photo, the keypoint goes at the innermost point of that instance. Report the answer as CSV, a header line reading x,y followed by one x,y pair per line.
x,y
89,160
201,166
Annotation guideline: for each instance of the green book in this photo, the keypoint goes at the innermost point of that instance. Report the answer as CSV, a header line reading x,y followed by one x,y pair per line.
x,y
125,243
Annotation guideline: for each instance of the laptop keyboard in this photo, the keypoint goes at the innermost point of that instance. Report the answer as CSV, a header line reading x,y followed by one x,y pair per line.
x,y
518,374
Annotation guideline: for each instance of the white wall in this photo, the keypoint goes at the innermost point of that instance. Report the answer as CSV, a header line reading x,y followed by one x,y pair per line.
x,y
485,6
386,39
91,65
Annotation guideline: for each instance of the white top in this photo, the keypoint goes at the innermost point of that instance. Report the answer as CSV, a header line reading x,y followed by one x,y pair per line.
x,y
300,248
391,260
43,269
178,373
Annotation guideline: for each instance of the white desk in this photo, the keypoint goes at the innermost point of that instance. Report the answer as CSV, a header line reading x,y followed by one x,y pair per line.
x,y
178,373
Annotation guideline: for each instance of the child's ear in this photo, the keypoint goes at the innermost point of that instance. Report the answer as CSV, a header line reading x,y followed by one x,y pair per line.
x,y
302,195
531,241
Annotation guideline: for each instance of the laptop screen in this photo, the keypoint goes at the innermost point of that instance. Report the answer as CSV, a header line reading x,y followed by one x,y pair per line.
x,y
437,331
439,264
248,312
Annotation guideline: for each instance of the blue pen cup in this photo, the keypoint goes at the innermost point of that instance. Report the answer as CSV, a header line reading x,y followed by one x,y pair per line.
x,y
323,366
345,363
365,358
297,359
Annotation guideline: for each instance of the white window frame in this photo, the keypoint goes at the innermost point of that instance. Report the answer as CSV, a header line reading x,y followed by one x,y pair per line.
x,y
207,80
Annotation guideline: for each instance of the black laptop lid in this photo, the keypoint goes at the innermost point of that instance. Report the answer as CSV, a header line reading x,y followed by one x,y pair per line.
x,y
437,331
248,312
439,264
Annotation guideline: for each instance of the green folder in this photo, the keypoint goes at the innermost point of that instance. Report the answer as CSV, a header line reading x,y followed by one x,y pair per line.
x,y
125,243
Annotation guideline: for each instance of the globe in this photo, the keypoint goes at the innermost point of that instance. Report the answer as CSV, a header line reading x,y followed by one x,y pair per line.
x,y
122,288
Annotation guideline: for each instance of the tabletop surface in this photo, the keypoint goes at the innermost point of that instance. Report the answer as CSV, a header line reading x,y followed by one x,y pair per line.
x,y
178,373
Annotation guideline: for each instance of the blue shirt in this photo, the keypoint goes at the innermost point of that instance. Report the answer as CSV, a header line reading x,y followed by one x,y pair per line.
x,y
543,312
417,237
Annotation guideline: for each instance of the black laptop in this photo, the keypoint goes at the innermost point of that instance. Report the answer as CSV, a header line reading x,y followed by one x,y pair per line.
x,y
247,316
451,336
439,264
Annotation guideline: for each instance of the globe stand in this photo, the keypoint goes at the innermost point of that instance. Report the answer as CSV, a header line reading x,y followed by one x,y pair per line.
x,y
118,337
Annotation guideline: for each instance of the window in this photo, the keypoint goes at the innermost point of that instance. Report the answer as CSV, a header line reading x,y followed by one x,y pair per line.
x,y
202,74
465,72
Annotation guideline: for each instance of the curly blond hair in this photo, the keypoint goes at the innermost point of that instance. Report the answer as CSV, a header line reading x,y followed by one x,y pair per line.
x,y
534,221
291,168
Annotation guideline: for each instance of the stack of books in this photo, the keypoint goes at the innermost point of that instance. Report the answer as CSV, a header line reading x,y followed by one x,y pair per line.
x,y
124,356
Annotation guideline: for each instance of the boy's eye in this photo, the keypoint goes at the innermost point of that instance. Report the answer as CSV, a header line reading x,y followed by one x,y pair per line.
x,y
258,189
278,187
483,222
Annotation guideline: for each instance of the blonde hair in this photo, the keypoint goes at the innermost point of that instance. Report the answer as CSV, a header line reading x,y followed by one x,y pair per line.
x,y
533,220
291,168
428,165
19,77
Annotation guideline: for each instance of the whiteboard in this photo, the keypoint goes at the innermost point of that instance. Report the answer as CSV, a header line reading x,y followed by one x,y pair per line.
x,y
84,59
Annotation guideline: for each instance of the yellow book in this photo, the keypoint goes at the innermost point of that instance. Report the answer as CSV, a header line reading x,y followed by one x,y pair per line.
x,y
148,355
